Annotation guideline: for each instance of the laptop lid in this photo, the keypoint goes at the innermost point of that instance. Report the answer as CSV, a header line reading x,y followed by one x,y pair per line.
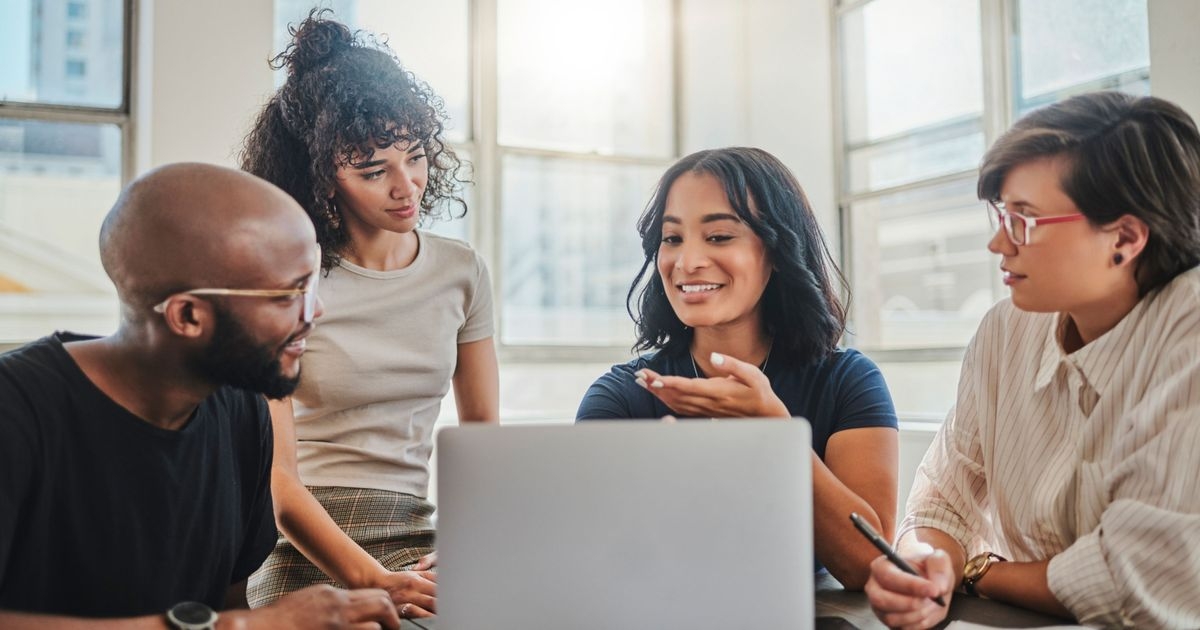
x,y
626,525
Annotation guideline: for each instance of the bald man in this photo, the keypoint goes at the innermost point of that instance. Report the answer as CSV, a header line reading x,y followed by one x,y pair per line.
x,y
135,468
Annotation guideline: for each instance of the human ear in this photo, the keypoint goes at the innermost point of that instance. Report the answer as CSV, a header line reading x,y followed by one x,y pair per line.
x,y
1131,234
186,317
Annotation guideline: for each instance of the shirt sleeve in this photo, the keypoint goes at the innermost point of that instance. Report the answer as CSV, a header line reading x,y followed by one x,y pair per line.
x,y
17,448
261,534
609,397
479,323
1141,566
949,490
863,397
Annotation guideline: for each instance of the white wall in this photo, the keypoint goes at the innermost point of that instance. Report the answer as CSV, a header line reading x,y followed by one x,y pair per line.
x,y
1174,52
201,76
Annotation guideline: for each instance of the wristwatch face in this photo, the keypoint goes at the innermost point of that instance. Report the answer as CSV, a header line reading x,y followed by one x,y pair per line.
x,y
977,566
192,614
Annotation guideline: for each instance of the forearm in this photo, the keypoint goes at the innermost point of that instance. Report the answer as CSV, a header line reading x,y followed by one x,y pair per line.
x,y
841,549
1023,584
315,534
27,621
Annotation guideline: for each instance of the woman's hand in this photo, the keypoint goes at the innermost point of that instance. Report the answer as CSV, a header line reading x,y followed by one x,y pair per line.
x,y
738,390
901,600
413,592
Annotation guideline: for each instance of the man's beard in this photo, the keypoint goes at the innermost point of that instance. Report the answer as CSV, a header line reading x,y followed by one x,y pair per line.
x,y
235,359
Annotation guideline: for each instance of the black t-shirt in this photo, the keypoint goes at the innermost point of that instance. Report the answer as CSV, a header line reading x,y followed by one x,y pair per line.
x,y
105,515
843,390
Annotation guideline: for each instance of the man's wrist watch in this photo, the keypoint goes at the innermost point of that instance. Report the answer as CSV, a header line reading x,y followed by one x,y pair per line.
x,y
976,568
191,616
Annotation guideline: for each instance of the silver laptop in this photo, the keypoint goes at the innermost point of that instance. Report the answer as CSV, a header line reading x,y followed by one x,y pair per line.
x,y
626,525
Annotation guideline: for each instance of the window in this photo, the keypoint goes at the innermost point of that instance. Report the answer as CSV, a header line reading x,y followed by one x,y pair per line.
x,y
64,133
924,92
575,127
585,127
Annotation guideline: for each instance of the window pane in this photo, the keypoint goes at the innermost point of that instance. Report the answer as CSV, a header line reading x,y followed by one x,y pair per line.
x,y
942,151
910,64
923,276
57,181
586,76
1065,43
570,249
430,38
64,53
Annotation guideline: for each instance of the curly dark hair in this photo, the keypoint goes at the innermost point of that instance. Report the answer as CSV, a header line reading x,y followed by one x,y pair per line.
x,y
346,95
800,305
1135,155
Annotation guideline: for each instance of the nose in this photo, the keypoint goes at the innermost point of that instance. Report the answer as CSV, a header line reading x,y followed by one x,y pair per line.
x,y
690,257
318,307
405,187
1001,244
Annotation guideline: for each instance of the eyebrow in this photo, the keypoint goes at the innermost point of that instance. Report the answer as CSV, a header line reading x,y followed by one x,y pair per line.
x,y
708,218
366,165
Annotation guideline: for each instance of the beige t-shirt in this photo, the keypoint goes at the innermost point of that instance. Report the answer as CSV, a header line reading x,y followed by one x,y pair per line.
x,y
379,362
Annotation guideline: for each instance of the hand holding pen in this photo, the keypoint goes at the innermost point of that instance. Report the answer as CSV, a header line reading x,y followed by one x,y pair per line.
x,y
886,550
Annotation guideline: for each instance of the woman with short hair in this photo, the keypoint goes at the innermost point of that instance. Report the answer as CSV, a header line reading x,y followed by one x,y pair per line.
x,y
1066,478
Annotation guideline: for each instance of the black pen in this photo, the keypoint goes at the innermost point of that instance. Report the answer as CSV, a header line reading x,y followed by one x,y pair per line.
x,y
882,546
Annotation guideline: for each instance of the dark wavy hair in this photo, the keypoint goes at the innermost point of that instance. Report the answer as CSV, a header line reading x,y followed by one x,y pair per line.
x,y
1125,155
346,95
800,305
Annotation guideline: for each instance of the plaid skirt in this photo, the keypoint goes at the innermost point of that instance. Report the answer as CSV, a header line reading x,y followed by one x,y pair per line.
x,y
391,526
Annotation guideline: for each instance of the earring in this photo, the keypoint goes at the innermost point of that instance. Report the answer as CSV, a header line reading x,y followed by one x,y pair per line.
x,y
331,214
1118,259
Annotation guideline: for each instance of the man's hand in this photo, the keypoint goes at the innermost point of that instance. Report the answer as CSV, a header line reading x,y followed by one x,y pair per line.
x,y
413,592
324,606
737,390
905,601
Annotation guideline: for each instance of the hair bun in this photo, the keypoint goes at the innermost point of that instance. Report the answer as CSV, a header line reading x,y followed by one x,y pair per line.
x,y
313,41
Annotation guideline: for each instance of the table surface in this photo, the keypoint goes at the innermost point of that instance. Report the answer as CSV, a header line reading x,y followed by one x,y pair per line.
x,y
839,609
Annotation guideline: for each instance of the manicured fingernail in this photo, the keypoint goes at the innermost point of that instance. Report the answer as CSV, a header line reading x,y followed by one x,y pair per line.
x,y
640,374
657,385
640,381
717,359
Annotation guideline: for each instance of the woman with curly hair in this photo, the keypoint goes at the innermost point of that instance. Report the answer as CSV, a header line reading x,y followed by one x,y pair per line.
x,y
357,140
738,302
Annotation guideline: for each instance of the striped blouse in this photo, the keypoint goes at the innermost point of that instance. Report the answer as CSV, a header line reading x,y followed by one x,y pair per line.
x,y
1090,459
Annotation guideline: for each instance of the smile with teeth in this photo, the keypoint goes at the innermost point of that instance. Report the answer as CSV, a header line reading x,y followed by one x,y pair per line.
x,y
698,288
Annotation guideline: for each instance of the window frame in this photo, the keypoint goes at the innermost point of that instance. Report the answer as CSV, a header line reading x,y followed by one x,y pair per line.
x,y
121,116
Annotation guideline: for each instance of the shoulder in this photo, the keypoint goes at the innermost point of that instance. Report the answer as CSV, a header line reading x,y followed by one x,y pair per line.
x,y
616,394
1177,302
32,369
447,250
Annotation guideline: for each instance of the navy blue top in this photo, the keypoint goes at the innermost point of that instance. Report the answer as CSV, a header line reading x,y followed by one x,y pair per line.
x,y
844,390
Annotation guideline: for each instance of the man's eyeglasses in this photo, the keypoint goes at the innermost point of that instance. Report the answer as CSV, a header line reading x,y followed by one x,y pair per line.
x,y
308,291
1019,228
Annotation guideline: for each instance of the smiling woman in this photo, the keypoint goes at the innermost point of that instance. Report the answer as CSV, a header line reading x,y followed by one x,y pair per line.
x,y
738,302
